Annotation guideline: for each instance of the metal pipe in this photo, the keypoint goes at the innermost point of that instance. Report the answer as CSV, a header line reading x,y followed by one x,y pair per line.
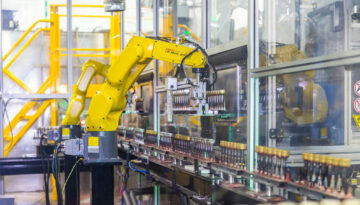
x,y
133,198
127,198
206,23
69,46
138,17
2,192
122,30
156,75
253,62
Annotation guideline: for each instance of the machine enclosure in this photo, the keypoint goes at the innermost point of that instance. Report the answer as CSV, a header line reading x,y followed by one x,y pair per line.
x,y
100,147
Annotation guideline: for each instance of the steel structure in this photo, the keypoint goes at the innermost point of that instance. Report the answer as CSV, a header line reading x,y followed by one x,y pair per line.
x,y
254,71
53,81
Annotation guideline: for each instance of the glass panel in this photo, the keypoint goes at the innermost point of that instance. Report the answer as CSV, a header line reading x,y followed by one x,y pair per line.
x,y
147,18
33,39
188,23
355,104
302,109
189,19
293,30
30,50
130,20
228,21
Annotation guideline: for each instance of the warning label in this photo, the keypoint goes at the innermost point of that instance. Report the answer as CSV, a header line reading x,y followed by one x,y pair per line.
x,y
65,133
93,141
357,88
357,105
93,144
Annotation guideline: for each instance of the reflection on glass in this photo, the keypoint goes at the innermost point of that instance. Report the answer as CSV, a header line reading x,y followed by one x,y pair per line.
x,y
228,21
307,110
189,19
147,18
129,20
316,28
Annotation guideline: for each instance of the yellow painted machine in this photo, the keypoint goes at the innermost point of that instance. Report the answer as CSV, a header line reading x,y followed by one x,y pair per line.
x,y
304,101
108,103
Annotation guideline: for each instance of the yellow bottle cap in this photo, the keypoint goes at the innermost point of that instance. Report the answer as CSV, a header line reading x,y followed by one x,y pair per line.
x,y
278,152
316,158
329,160
243,146
285,153
345,162
311,157
261,150
238,146
266,150
257,149
335,161
323,159
305,156
233,145
222,143
273,151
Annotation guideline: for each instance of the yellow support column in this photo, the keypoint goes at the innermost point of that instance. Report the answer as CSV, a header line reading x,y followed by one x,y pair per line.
x,y
54,71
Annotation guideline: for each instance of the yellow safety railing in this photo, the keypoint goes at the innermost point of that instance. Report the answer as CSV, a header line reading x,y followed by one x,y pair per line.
x,y
53,79
6,67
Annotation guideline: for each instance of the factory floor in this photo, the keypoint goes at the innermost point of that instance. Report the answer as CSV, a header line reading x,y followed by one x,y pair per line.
x,y
28,190
38,198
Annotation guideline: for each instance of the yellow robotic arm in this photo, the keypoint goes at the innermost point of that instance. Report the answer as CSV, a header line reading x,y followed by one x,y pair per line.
x,y
107,105
89,70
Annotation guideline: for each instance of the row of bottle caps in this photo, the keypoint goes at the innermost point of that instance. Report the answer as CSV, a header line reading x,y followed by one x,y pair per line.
x,y
215,92
232,145
182,137
272,151
325,159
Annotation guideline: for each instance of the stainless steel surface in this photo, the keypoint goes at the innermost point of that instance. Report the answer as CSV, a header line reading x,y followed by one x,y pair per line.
x,y
251,83
122,30
114,5
227,46
350,60
74,147
205,24
156,80
1,103
138,17
8,200
308,61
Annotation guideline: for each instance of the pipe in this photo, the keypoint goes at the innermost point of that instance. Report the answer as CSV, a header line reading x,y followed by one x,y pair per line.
x,y
133,198
127,198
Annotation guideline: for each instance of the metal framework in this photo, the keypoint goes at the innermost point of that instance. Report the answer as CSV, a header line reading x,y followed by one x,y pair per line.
x,y
53,81
254,71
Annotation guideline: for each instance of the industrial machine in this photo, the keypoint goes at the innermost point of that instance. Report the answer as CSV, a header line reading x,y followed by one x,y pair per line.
x,y
108,103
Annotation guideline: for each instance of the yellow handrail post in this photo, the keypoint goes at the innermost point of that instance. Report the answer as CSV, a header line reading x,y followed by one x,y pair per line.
x,y
54,70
